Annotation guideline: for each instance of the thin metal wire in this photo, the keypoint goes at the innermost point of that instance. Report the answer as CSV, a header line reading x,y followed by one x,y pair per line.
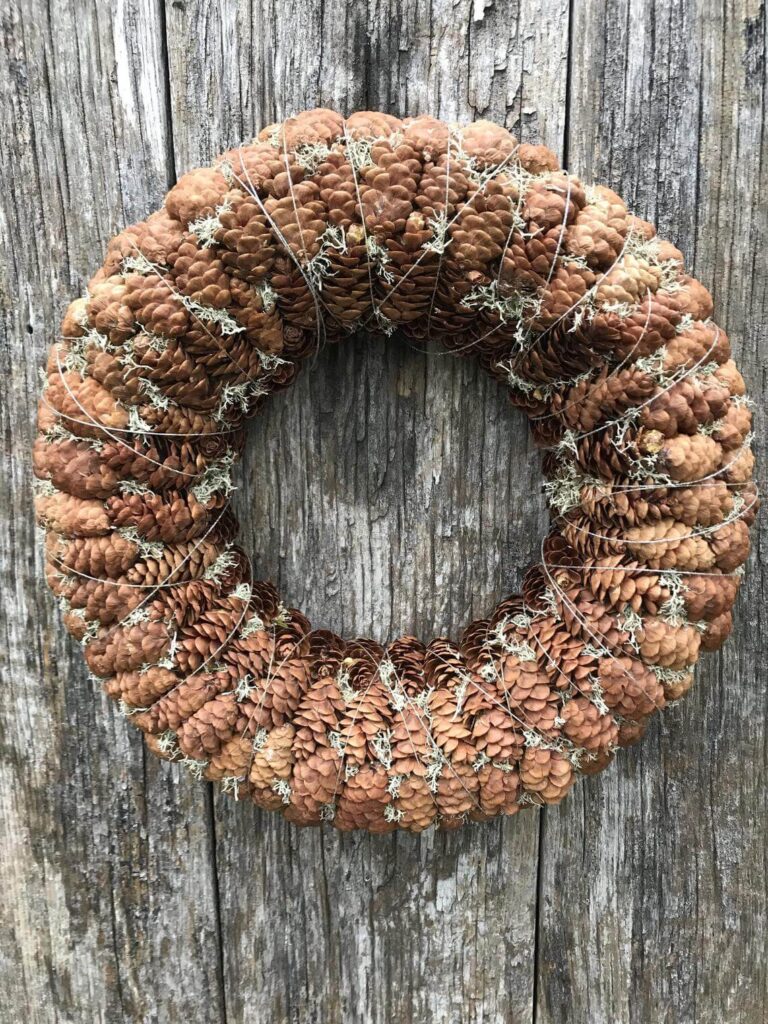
x,y
136,431
635,409
140,586
481,191
705,531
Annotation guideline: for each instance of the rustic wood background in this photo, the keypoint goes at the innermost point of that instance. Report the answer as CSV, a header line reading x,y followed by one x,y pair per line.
x,y
389,490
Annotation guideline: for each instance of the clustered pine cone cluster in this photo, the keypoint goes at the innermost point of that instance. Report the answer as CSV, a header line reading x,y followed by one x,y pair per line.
x,y
322,226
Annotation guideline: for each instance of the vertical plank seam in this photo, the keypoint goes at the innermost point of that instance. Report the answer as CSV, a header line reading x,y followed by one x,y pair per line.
x,y
537,919
168,105
568,88
172,174
216,903
537,927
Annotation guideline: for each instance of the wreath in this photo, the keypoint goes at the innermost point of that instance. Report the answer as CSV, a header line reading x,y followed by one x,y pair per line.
x,y
320,227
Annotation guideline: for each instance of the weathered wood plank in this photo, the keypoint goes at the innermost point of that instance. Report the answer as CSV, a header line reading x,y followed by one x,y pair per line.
x,y
387,491
109,908
653,875
375,497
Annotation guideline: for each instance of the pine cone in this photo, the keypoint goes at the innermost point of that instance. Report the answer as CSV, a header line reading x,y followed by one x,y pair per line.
x,y
630,688
546,774
529,696
414,803
494,735
499,791
587,727
272,759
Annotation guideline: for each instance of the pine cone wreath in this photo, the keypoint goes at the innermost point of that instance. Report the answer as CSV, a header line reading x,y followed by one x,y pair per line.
x,y
321,226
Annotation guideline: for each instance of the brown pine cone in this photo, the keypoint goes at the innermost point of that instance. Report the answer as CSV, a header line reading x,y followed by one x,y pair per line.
x,y
447,727
444,665
365,729
315,784
231,764
128,648
210,728
630,688
185,698
499,792
598,232
273,758
667,645
457,790
496,736
319,713
532,701
407,655
141,689
587,727
546,774
363,802
414,803
412,745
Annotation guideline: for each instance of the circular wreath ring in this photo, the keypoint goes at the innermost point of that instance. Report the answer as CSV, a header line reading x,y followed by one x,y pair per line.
x,y
320,227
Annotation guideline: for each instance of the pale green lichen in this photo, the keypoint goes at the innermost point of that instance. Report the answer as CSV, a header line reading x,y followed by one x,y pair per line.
x,y
348,694
434,769
338,742
239,398
216,479
136,423
508,308
254,624
630,623
500,637
283,790
193,766
219,568
167,743
211,315
394,784
145,548
382,747
138,264
310,155
169,661
244,688
260,738
379,258
358,151
268,296
320,266
205,228
673,609
439,242
133,487
140,614
231,784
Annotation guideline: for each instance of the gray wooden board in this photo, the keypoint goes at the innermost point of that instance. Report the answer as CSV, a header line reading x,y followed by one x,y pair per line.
x,y
390,490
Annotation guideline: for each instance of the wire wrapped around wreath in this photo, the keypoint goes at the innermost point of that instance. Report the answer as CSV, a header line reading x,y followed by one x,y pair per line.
x,y
321,227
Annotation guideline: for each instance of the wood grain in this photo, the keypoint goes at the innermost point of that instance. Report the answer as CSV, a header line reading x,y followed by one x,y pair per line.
x,y
111,912
653,877
390,490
